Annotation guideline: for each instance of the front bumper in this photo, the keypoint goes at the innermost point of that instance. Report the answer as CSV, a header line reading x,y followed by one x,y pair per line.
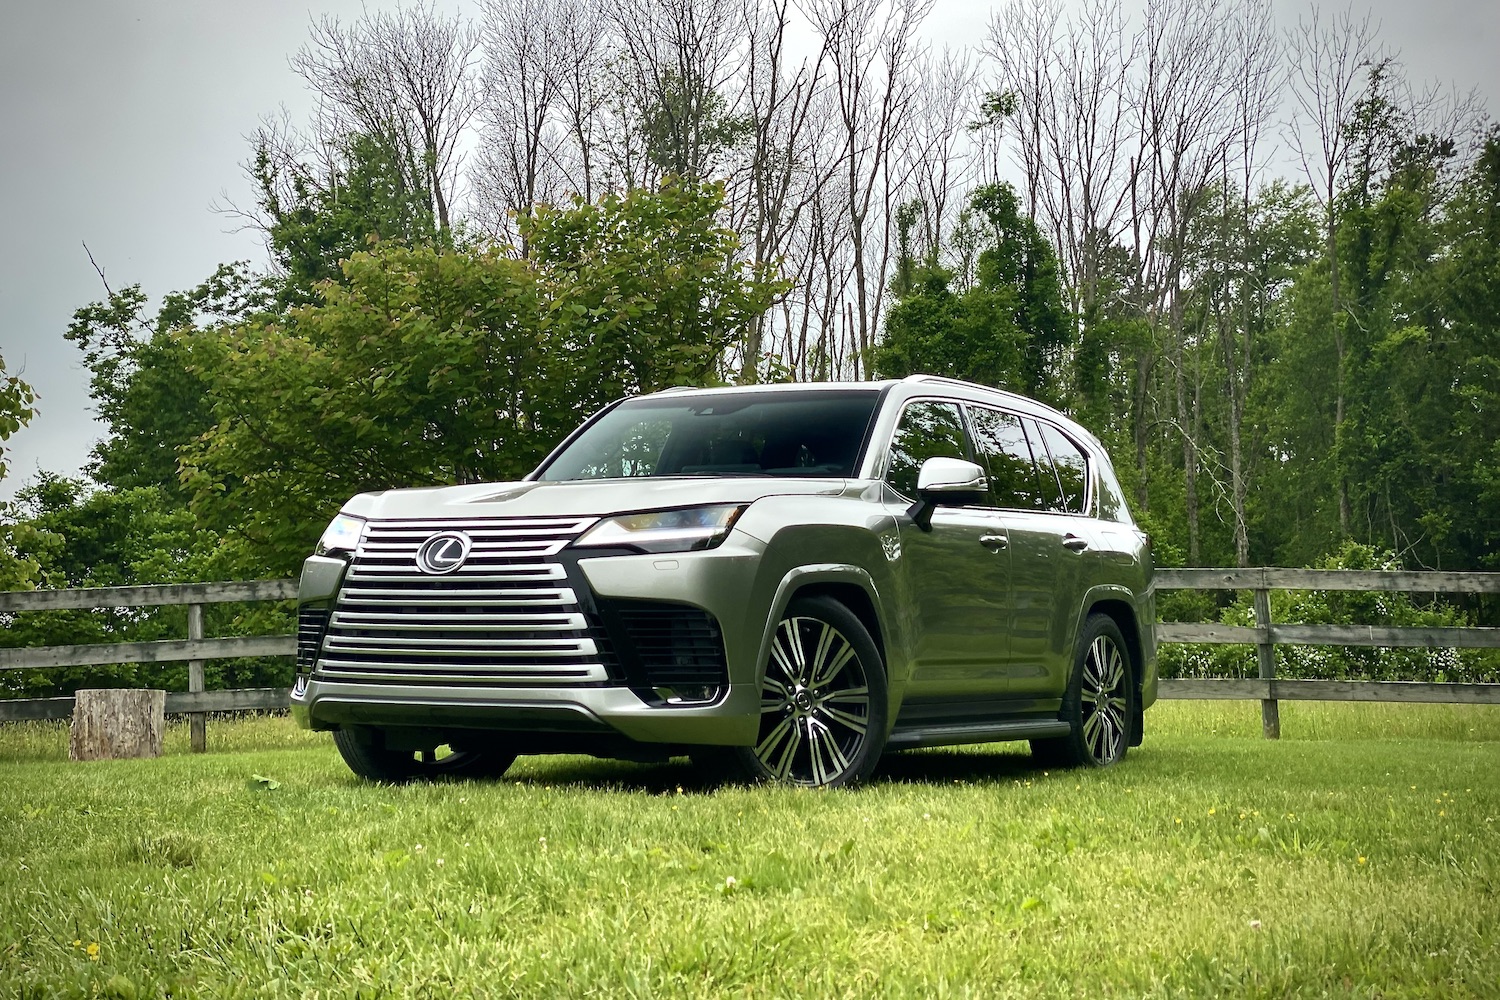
x,y
724,581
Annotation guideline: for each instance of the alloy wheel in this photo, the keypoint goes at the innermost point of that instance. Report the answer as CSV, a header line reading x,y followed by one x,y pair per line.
x,y
815,704
1103,697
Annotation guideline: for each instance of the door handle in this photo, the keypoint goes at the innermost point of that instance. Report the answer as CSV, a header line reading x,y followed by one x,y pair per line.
x,y
1074,542
994,542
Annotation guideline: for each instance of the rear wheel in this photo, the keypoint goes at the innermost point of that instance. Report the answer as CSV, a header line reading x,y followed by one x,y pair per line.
x,y
365,751
1099,703
823,700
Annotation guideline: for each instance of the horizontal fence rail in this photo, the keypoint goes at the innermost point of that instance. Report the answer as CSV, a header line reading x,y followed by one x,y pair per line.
x,y
1265,635
156,595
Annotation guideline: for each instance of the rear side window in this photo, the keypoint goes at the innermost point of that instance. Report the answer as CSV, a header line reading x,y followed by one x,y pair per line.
x,y
1050,491
928,429
1071,468
1014,480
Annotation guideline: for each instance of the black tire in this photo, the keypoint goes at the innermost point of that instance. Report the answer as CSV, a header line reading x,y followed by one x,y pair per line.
x,y
823,700
364,750
1099,704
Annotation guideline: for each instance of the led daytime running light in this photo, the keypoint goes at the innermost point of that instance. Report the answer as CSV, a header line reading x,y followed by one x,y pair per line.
x,y
680,530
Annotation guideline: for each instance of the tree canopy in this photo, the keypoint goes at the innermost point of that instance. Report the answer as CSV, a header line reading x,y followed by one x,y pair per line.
x,y
427,365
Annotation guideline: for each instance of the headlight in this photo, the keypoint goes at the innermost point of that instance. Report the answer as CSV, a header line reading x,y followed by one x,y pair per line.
x,y
664,530
342,534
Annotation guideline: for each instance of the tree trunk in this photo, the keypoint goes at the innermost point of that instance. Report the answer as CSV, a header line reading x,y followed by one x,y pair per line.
x,y
112,724
1338,344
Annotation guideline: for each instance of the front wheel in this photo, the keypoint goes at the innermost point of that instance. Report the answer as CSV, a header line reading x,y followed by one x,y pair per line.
x,y
365,751
1099,703
822,702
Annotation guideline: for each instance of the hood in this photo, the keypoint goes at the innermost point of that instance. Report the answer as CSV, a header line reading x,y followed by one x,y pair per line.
x,y
579,497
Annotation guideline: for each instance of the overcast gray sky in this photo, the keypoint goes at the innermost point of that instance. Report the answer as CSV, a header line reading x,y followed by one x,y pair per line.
x,y
122,123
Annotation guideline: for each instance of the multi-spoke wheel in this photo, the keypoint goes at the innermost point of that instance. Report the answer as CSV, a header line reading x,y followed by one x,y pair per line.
x,y
823,699
366,753
1099,703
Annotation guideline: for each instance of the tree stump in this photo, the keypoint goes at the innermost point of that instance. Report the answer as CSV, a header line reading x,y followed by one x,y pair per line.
x,y
114,723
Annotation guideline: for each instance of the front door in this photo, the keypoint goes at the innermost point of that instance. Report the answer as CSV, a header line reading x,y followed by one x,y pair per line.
x,y
957,575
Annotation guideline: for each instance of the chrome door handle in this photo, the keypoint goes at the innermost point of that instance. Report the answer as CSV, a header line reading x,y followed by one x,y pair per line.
x,y
994,542
1075,543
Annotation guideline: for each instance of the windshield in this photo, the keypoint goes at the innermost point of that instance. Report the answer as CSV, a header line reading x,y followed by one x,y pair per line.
x,y
813,433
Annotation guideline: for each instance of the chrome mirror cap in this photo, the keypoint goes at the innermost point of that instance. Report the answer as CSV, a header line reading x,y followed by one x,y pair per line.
x,y
943,477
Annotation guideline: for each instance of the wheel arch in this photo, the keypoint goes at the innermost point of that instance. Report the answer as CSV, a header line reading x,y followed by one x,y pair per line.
x,y
850,585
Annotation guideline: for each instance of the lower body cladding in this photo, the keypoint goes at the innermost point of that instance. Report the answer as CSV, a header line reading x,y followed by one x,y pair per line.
x,y
673,645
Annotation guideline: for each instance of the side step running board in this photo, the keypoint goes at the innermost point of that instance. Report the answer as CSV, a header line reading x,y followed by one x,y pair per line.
x,y
938,734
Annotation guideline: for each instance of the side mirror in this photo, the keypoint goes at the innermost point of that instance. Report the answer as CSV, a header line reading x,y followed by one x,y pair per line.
x,y
946,482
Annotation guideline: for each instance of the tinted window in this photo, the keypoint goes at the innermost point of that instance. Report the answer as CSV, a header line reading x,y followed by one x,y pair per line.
x,y
1072,470
814,433
1001,442
927,430
1111,497
1050,493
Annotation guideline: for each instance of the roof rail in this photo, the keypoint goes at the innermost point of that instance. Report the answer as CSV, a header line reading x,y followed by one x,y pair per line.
x,y
951,381
961,383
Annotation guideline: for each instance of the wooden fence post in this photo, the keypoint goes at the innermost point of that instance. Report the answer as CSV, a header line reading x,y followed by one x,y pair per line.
x,y
1270,709
197,721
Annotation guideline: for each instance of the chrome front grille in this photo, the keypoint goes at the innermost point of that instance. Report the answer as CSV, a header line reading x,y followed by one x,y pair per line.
x,y
505,616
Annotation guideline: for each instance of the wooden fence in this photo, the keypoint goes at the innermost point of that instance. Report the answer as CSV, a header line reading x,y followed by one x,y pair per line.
x,y
195,702
1265,635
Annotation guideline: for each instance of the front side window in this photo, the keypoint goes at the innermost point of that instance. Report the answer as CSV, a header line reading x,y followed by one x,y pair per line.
x,y
1014,480
815,433
928,429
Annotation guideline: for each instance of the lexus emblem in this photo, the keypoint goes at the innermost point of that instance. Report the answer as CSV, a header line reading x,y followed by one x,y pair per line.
x,y
444,553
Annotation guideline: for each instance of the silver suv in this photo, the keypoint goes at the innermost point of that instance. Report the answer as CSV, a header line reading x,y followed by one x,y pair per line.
x,y
782,582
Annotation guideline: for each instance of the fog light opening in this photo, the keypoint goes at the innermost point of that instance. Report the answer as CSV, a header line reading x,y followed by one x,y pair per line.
x,y
690,694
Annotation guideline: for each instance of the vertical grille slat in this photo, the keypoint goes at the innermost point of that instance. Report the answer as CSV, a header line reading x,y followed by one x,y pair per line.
x,y
504,616
310,625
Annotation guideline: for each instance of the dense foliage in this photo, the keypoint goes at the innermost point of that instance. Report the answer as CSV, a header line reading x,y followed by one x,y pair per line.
x,y
427,365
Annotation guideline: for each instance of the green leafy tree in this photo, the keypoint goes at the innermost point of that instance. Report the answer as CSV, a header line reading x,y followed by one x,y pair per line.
x,y
687,129
429,366
315,218
142,388
1373,418
17,407
1007,326
1458,398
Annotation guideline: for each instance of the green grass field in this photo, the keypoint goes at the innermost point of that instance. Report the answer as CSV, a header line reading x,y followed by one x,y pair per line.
x,y
1359,856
